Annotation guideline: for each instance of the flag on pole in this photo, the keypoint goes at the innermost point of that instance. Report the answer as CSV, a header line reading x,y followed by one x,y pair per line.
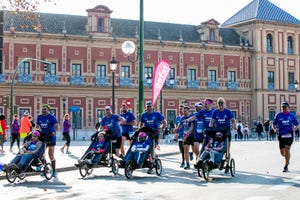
x,y
161,73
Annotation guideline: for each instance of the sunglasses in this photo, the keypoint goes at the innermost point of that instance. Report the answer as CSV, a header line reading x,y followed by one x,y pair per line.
x,y
221,103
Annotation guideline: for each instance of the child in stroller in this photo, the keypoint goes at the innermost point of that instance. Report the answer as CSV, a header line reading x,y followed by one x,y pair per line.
x,y
213,149
30,149
31,155
97,151
214,153
139,150
99,154
139,153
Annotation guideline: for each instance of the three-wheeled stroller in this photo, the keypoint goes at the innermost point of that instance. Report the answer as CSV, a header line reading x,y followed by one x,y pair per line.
x,y
131,163
105,158
221,160
37,164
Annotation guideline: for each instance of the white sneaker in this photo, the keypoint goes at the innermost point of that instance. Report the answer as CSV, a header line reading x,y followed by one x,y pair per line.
x,y
62,150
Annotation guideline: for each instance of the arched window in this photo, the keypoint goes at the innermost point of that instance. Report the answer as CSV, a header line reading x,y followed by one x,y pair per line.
x,y
290,45
269,43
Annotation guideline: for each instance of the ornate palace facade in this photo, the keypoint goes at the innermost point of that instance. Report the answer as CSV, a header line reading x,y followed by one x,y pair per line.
x,y
252,60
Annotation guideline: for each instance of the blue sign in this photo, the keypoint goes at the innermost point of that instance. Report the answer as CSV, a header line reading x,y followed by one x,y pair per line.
x,y
74,108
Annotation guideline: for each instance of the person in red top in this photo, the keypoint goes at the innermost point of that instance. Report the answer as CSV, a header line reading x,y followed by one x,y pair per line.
x,y
25,125
2,132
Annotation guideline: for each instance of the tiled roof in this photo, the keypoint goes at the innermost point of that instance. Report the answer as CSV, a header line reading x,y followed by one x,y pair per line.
x,y
261,10
122,28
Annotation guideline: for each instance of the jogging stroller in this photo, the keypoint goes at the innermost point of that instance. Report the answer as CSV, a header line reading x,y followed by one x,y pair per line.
x,y
221,160
93,158
134,159
37,164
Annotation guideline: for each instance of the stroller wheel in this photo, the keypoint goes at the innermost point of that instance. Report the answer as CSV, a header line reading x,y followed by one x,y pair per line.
x,y
232,167
22,175
128,169
115,166
84,170
158,166
205,170
48,171
11,174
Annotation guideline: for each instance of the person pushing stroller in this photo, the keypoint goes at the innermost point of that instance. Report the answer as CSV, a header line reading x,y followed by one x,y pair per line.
x,y
139,150
213,148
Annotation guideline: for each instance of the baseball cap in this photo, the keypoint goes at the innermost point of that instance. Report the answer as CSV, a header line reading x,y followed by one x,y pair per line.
x,y
198,105
285,104
208,101
124,104
26,113
107,108
149,103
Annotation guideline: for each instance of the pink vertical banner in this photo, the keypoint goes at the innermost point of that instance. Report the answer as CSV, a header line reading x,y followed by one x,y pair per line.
x,y
161,73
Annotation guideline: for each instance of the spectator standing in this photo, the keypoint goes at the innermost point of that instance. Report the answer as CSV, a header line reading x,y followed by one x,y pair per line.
x,y
15,133
127,123
2,132
32,123
285,123
266,127
246,132
48,125
26,125
66,134
239,130
179,133
259,129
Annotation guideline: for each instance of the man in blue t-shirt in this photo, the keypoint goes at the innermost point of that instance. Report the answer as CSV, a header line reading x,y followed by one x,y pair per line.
x,y
48,125
285,123
153,120
127,122
223,118
111,122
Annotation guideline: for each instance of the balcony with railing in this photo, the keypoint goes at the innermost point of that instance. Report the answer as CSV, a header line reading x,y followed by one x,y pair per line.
x,y
232,85
126,82
77,80
193,84
2,78
271,86
172,83
212,85
51,79
25,78
102,81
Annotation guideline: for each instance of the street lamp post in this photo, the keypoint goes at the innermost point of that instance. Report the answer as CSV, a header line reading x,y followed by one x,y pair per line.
x,y
128,48
13,80
113,67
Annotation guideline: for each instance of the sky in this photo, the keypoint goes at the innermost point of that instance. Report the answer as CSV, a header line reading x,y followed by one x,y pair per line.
x,y
172,11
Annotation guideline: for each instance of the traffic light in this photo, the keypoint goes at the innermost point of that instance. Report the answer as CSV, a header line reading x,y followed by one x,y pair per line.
x,y
6,101
46,65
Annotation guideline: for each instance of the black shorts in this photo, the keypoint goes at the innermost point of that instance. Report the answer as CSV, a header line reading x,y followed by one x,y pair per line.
x,y
49,139
285,142
118,142
189,140
126,135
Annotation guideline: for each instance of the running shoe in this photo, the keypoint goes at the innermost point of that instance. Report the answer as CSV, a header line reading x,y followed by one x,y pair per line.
x,y
62,150
285,169
150,171
187,166
182,165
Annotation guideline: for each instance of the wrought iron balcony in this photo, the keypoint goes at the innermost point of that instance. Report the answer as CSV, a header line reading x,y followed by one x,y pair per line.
x,y
192,84
172,83
292,87
212,84
51,79
77,80
271,86
2,78
232,85
125,82
102,81
25,78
